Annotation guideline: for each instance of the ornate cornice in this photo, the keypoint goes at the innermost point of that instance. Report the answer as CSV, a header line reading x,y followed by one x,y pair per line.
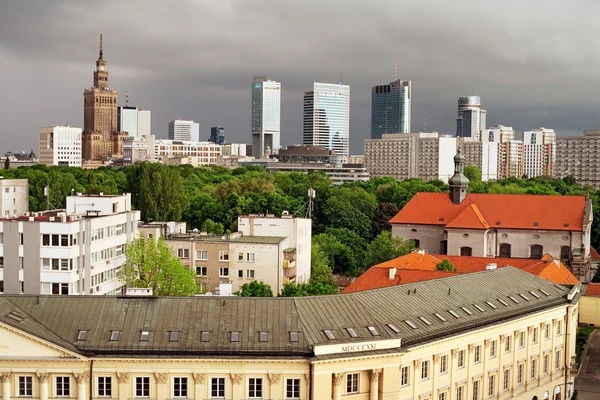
x,y
161,377
337,378
375,374
236,378
5,376
64,352
42,375
199,377
81,376
123,377
274,378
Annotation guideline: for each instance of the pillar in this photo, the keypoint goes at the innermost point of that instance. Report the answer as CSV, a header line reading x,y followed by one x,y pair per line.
x,y
374,393
81,378
236,380
199,385
416,369
43,380
500,386
5,378
123,379
337,385
161,386
451,369
274,386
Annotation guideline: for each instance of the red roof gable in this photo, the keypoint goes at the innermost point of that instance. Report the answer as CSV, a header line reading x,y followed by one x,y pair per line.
x,y
470,218
594,254
513,211
593,289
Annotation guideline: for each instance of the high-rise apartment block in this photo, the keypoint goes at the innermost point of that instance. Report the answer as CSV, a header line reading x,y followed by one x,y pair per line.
x,y
101,138
217,135
266,116
133,121
539,152
79,250
579,157
390,108
471,118
499,143
184,130
327,117
14,195
60,145
411,155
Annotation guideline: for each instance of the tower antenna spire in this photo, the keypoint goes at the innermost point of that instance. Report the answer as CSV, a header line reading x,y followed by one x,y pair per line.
x,y
127,99
395,70
100,42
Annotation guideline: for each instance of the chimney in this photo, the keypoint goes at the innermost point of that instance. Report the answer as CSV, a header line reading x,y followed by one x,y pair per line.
x,y
391,274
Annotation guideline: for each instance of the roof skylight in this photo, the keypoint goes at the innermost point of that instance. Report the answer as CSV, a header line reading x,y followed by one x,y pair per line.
x,y
534,294
425,321
329,334
82,335
524,297
514,299
544,292
440,317
465,309
410,323
477,306
503,302
489,303
373,330
352,332
394,328
454,313
115,335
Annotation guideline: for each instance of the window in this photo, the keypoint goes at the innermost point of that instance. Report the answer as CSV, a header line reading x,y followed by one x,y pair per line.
x,y
443,364
180,386
565,254
21,239
60,288
459,393
174,336
240,273
520,374
504,250
546,363
534,335
491,385
144,336
104,386
263,337
183,253
201,271
294,337
373,330
328,334
250,257
507,344
292,388
250,273
440,317
506,384
142,386
536,251
557,360
114,336
235,336
63,386
559,327
533,368
477,356
442,396
466,251
25,386
476,390
202,255
417,243
547,331
493,345
241,257
205,336
217,388
223,256
224,272
82,335
461,359
404,376
425,369
522,339
352,383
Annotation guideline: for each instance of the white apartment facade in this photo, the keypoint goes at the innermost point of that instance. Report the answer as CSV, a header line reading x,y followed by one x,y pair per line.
x,y
15,197
424,155
185,130
79,250
266,116
59,145
197,153
137,150
297,259
539,152
579,157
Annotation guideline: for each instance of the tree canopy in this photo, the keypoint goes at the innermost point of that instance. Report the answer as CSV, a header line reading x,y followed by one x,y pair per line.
x,y
255,289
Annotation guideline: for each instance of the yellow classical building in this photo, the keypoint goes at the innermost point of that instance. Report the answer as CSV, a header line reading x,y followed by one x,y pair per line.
x,y
500,334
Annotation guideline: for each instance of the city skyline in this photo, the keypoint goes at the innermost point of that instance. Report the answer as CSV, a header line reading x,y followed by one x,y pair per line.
x,y
167,71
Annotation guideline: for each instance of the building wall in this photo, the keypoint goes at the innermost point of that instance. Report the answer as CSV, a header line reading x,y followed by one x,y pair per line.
x,y
200,153
15,197
267,266
430,237
60,145
589,310
266,111
578,156
475,239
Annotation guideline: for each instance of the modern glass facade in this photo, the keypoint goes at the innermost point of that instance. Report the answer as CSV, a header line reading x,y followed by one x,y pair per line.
x,y
266,112
127,120
327,117
217,135
470,119
390,108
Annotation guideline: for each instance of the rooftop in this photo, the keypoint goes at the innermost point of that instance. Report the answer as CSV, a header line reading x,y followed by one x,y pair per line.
x,y
593,289
227,238
294,327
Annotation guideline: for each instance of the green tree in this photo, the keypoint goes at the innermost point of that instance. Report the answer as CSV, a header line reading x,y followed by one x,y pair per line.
x,y
445,265
383,213
307,289
340,257
384,248
320,270
255,289
472,173
215,228
6,162
151,264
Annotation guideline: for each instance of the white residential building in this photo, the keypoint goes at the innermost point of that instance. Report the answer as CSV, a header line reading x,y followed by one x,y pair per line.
x,y
184,130
79,250
235,149
539,152
15,197
501,140
266,116
144,123
297,230
137,150
196,153
60,145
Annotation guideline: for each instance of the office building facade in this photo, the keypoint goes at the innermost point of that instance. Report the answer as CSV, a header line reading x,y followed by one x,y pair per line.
x,y
217,135
266,116
60,145
390,108
327,117
184,130
196,153
471,118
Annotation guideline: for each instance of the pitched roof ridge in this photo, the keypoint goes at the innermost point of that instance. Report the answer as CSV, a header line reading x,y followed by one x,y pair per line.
x,y
461,219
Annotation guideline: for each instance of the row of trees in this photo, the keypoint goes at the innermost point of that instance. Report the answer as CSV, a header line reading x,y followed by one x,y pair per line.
x,y
350,222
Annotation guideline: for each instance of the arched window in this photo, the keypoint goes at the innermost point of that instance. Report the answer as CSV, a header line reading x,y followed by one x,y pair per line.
x,y
466,251
416,243
537,251
565,254
504,250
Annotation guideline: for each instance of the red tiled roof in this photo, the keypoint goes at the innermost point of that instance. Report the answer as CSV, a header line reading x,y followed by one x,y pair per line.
x,y
415,260
595,256
553,271
375,278
516,211
593,289
465,264
470,218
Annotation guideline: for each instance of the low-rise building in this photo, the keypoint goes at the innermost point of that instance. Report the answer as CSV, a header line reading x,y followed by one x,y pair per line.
x,y
138,149
196,153
15,197
502,334
78,250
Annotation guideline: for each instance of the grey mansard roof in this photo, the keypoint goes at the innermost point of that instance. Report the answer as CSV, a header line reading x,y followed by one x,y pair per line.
x,y
59,319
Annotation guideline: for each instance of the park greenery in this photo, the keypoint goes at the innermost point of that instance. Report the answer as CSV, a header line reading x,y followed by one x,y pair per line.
x,y
351,231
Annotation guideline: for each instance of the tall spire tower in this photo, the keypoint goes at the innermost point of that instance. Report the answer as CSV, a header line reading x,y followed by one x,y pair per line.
x,y
101,73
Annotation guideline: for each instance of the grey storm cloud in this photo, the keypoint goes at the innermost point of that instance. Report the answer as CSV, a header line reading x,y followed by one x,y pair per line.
x,y
533,62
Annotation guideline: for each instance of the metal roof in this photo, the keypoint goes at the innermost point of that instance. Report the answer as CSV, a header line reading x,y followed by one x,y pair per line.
x,y
59,319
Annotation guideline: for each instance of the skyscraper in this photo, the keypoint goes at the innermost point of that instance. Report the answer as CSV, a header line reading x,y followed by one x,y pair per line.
x,y
390,108
101,139
127,120
471,118
327,117
180,129
539,152
266,116
217,135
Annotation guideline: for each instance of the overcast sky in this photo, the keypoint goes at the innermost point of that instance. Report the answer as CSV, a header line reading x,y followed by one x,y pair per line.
x,y
534,62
